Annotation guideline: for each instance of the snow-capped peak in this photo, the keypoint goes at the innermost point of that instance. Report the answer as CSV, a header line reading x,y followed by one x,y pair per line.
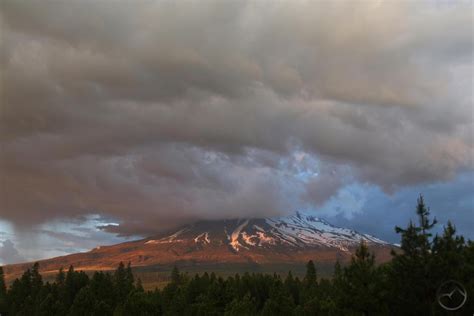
x,y
311,230
300,230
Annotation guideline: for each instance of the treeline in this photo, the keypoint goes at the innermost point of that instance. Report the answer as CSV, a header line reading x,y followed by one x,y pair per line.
x,y
405,286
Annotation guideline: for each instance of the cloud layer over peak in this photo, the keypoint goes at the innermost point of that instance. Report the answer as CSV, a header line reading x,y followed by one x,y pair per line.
x,y
156,113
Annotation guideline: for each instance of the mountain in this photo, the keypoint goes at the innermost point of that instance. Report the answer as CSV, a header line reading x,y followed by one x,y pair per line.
x,y
293,239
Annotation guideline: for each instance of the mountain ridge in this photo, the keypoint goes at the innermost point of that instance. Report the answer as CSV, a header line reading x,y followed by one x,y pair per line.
x,y
291,239
298,230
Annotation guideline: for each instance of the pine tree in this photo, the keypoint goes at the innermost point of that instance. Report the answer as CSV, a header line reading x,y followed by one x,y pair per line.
x,y
70,289
60,277
338,287
173,294
84,303
327,298
139,286
73,283
310,277
423,213
45,305
467,272
279,301
60,294
140,303
243,306
45,308
36,281
123,281
129,279
292,287
20,299
3,293
102,287
360,290
309,286
410,271
448,260
175,275
416,239
447,252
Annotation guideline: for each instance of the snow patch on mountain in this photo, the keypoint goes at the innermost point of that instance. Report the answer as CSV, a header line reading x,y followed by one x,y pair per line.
x,y
234,242
203,238
168,239
264,239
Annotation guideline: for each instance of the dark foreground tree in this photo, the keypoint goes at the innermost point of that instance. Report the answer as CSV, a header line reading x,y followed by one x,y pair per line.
x,y
360,286
3,293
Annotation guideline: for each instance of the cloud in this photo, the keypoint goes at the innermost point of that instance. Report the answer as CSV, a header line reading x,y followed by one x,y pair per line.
x,y
368,209
157,113
9,254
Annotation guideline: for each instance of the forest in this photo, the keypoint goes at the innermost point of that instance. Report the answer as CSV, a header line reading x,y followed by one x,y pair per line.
x,y
407,285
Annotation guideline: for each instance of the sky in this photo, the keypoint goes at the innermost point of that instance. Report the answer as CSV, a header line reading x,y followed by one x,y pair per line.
x,y
120,119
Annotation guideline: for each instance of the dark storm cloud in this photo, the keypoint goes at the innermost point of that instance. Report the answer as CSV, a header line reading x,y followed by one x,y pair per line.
x,y
448,201
155,113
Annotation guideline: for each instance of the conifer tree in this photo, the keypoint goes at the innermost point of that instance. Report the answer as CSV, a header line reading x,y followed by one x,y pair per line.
x,y
36,281
360,290
73,283
411,274
59,292
20,299
123,282
139,286
60,277
46,307
129,279
175,276
310,277
309,286
467,272
3,293
292,287
244,306
102,287
84,303
140,303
